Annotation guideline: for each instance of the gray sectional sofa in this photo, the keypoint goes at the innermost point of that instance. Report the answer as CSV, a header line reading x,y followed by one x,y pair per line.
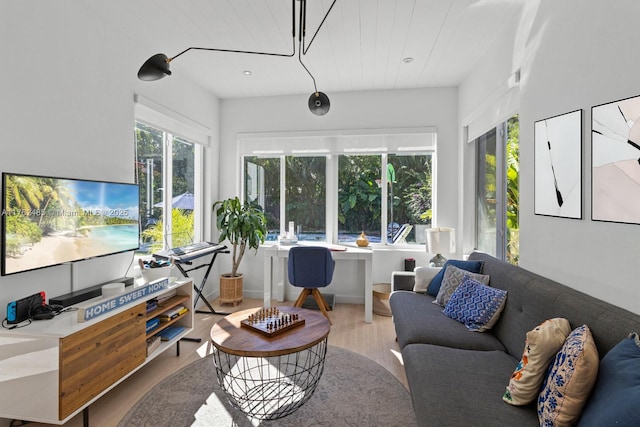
x,y
458,377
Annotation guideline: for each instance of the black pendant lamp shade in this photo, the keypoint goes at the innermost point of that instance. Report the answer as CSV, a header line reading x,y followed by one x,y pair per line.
x,y
319,103
157,66
154,68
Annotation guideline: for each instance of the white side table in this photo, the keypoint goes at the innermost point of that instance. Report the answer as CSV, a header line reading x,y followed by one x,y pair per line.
x,y
400,278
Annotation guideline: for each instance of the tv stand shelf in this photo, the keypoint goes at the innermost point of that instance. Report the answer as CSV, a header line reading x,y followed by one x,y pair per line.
x,y
167,305
55,369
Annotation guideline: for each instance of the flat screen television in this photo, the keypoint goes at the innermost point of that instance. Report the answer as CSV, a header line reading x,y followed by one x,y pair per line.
x,y
48,221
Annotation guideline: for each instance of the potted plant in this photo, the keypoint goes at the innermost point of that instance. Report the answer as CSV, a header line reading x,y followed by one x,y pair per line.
x,y
245,227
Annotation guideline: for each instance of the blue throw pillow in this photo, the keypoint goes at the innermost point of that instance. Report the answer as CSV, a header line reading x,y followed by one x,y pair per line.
x,y
476,305
615,399
470,266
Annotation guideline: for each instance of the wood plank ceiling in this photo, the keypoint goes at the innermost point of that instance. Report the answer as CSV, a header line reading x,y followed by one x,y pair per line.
x,y
361,46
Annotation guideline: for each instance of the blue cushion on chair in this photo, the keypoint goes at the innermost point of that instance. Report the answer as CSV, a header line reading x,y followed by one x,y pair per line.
x,y
615,399
310,266
470,266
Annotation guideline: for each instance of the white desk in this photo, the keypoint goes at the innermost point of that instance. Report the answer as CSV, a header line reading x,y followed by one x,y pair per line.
x,y
275,258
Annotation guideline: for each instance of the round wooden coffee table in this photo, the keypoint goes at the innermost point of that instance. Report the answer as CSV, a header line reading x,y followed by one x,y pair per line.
x,y
270,374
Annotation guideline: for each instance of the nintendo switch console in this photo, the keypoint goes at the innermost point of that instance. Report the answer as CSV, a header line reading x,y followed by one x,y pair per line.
x,y
20,310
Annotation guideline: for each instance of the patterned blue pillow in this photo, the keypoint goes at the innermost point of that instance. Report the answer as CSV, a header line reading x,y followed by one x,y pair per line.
x,y
569,380
476,305
615,397
470,266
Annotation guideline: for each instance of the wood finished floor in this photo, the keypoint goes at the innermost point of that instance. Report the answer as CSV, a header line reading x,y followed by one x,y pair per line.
x,y
374,340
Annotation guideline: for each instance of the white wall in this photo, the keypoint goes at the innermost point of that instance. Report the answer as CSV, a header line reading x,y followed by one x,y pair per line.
x,y
66,109
360,110
574,54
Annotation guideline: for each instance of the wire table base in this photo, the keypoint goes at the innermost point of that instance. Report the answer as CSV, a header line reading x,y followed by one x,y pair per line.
x,y
268,388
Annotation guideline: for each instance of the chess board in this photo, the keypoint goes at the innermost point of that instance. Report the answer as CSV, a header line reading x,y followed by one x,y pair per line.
x,y
271,321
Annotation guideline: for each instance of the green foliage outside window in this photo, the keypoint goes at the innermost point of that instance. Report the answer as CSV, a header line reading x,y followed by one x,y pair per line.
x,y
305,192
149,170
487,188
149,164
359,194
182,233
418,190
359,191
267,188
513,190
409,191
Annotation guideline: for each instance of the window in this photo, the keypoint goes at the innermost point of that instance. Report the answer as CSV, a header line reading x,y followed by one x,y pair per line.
x,y
305,196
166,169
486,202
359,197
304,190
168,163
410,194
497,191
262,187
333,188
407,203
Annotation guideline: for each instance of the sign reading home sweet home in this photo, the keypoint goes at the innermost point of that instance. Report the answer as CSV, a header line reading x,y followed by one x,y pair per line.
x,y
101,307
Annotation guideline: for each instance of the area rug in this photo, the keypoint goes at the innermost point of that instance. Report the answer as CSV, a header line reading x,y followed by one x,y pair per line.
x,y
353,391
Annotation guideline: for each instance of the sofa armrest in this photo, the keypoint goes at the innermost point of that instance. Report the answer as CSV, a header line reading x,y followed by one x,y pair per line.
x,y
402,280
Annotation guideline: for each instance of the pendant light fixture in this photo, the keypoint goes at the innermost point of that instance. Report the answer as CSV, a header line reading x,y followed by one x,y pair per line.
x,y
157,66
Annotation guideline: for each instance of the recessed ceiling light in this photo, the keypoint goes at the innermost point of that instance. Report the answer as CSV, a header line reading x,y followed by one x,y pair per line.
x,y
407,59
246,72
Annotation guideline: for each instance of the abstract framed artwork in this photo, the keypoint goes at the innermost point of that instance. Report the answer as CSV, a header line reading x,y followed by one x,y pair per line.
x,y
558,166
615,161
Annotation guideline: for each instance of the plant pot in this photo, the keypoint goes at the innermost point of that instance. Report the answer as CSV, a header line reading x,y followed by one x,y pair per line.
x,y
230,289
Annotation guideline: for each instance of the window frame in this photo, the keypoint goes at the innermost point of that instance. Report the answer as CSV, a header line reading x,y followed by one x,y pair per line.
x,y
174,125
502,238
379,142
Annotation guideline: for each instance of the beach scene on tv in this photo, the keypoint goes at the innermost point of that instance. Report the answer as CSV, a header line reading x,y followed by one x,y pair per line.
x,y
50,221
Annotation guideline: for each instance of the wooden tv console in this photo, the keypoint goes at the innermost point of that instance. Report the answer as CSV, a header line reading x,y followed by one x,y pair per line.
x,y
53,369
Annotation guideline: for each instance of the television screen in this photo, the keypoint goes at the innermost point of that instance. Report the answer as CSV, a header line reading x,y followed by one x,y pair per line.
x,y
48,221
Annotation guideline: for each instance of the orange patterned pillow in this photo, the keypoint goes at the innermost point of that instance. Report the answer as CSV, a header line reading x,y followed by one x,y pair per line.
x,y
541,345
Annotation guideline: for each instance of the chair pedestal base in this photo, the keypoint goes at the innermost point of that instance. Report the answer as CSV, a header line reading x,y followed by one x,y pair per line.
x,y
319,299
